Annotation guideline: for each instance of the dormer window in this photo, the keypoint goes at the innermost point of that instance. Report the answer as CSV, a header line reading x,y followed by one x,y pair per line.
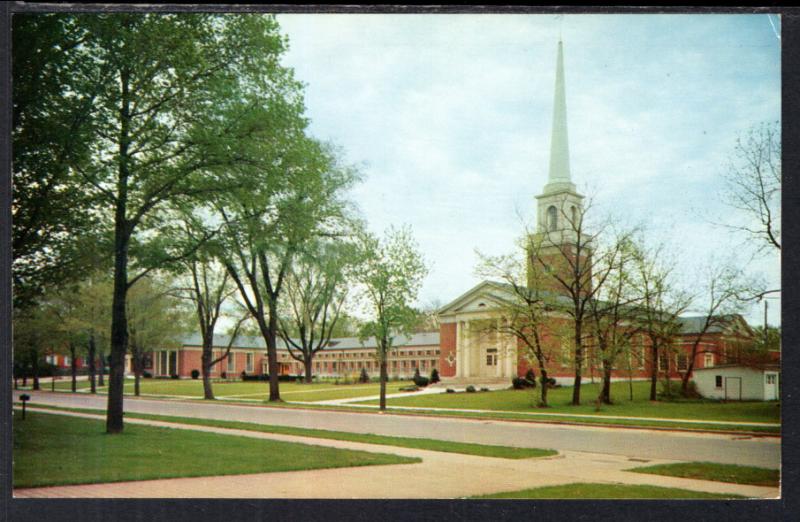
x,y
552,219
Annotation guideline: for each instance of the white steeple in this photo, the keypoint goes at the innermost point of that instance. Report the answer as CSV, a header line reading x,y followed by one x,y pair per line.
x,y
560,205
559,175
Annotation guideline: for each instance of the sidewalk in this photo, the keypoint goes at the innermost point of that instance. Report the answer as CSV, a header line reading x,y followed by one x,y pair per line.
x,y
439,475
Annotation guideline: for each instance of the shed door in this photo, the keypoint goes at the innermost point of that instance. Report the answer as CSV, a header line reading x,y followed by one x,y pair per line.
x,y
771,386
733,388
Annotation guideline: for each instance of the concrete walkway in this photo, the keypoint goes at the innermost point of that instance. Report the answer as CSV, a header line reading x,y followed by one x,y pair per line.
x,y
439,475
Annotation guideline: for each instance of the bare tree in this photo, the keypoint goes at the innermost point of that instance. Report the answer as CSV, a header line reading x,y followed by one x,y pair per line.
x,y
753,184
524,308
577,263
723,289
314,295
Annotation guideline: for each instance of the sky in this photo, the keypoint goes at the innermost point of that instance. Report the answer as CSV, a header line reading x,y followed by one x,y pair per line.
x,y
448,118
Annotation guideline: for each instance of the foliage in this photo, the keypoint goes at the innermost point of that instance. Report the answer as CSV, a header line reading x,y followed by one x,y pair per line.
x,y
391,273
421,381
195,374
434,376
470,389
364,377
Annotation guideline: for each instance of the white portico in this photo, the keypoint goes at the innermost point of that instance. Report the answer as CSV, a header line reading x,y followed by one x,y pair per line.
x,y
484,353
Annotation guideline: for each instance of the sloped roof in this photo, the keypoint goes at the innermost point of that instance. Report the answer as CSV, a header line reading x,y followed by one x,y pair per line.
x,y
340,343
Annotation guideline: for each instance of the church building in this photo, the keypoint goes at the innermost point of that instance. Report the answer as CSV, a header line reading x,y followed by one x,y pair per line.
x,y
474,345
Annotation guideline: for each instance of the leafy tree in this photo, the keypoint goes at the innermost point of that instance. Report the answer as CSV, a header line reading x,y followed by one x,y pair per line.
x,y
168,127
154,321
391,274
51,133
660,304
315,292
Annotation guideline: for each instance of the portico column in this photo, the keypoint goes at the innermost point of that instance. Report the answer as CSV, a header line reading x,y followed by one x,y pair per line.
x,y
500,340
459,349
511,356
467,349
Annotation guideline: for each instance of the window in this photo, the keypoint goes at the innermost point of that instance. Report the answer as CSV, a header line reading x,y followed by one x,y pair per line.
x,y
708,360
718,381
573,215
552,218
770,378
231,363
249,362
491,357
663,361
682,362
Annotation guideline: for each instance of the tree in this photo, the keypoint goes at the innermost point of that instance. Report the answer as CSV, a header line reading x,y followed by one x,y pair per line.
x,y
208,291
316,289
660,304
298,199
51,131
31,327
578,266
753,184
722,291
168,126
391,273
613,312
525,310
154,320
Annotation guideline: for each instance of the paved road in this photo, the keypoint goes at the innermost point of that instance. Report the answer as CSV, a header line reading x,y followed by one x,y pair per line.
x,y
648,444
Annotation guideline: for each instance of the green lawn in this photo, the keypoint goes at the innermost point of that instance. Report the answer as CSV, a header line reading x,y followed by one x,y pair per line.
x,y
559,400
254,390
595,491
56,450
483,450
717,472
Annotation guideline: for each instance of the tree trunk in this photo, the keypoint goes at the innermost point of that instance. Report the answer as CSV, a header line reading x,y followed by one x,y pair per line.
x,y
35,368
543,379
685,377
576,389
272,352
605,392
92,363
384,377
73,367
122,233
208,391
102,380
307,363
653,371
136,376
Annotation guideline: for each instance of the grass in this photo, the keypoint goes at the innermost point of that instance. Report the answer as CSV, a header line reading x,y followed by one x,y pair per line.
x,y
716,472
560,398
255,390
482,450
51,449
616,491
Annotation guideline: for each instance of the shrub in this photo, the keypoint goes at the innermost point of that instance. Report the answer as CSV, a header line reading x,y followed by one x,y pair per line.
x,y
147,375
416,374
484,389
669,389
470,389
434,376
421,381
364,377
530,376
195,374
174,376
450,390
224,375
691,391
519,383
409,388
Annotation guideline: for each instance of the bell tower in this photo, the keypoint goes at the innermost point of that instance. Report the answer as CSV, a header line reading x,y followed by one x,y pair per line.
x,y
559,206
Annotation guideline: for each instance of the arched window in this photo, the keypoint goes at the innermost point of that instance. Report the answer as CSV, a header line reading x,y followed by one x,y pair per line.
x,y
574,216
552,218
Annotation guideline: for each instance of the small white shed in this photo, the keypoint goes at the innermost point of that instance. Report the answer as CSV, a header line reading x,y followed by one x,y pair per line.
x,y
735,382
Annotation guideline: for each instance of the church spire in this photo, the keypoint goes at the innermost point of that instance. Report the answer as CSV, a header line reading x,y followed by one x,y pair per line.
x,y
559,175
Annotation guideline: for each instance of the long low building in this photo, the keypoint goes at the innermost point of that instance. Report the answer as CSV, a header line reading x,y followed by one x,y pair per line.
x,y
341,357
